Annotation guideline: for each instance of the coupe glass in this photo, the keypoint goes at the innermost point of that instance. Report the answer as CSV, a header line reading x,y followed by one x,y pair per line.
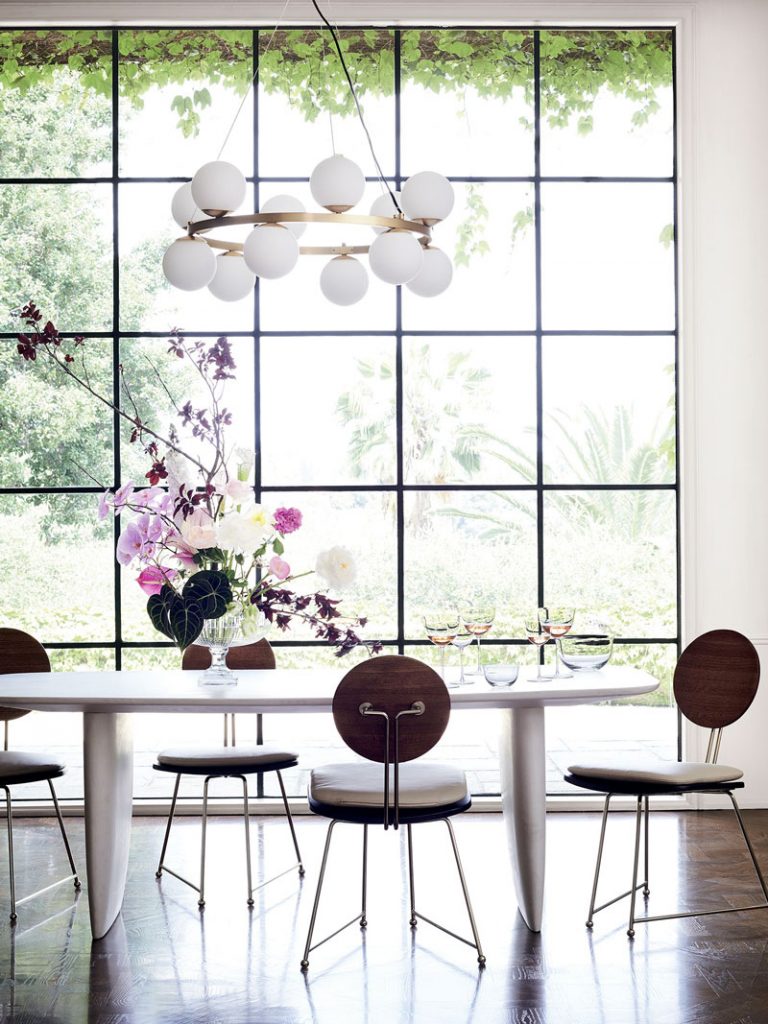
x,y
478,619
462,639
538,636
218,635
557,621
441,628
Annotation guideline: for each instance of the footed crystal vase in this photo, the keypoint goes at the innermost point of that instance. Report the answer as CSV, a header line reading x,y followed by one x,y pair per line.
x,y
218,635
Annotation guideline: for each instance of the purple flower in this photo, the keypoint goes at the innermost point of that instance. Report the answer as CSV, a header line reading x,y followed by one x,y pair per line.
x,y
287,520
130,545
122,497
154,577
104,503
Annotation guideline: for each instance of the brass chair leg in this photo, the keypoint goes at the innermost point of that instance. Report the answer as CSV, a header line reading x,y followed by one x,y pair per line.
x,y
411,882
289,816
308,946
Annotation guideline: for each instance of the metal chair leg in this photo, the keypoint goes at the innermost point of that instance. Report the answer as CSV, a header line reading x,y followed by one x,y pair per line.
x,y
411,883
478,947
308,946
201,900
64,834
756,866
633,893
246,820
599,861
364,911
9,820
289,816
646,890
159,871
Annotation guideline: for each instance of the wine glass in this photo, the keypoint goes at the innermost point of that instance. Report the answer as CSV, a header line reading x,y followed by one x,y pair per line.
x,y
557,620
441,628
462,639
478,619
538,636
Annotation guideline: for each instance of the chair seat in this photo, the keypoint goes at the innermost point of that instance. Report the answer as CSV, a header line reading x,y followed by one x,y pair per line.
x,y
356,791
225,760
18,766
644,774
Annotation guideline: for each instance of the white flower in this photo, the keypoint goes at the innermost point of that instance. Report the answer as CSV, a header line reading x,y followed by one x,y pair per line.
x,y
245,531
238,491
337,567
245,460
199,530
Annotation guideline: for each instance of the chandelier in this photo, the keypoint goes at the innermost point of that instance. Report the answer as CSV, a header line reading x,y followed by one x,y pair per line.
x,y
401,253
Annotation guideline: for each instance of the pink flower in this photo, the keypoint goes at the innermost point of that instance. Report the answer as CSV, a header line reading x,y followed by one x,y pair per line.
x,y
239,492
147,496
279,568
181,550
130,545
122,497
104,503
287,520
152,578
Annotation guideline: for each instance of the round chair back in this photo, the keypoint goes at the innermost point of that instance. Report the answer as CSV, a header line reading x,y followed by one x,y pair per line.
x,y
716,678
20,652
247,656
391,683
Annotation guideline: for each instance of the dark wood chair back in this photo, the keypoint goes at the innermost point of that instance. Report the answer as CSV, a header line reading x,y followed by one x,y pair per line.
x,y
248,656
716,678
391,683
20,652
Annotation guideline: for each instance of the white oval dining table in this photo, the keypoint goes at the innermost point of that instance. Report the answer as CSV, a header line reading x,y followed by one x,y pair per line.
x,y
108,700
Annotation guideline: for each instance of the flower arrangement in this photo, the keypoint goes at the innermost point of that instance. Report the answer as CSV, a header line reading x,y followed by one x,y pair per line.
x,y
202,545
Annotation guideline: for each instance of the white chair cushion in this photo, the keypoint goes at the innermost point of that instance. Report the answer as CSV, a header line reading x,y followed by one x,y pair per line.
x,y
216,757
16,762
422,784
673,773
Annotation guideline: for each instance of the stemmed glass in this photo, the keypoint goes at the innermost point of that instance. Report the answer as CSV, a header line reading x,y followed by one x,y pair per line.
x,y
478,619
441,628
462,639
538,636
557,621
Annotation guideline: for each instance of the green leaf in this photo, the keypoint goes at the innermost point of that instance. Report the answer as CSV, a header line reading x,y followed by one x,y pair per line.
x,y
158,607
186,621
277,546
210,590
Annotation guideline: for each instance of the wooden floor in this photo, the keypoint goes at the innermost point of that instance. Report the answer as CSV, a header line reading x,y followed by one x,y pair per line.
x,y
165,962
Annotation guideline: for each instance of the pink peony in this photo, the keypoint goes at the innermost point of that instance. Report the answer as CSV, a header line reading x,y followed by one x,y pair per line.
x,y
287,520
152,578
279,568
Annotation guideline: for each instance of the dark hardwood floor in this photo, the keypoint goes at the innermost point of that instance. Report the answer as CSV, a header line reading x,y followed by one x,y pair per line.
x,y
165,962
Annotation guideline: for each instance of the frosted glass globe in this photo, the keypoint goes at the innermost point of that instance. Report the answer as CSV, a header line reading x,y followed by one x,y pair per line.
x,y
233,279
218,187
183,205
435,274
383,207
427,197
337,184
189,264
344,280
395,257
287,204
271,251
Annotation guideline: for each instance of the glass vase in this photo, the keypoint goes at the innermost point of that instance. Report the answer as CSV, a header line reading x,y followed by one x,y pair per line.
x,y
218,635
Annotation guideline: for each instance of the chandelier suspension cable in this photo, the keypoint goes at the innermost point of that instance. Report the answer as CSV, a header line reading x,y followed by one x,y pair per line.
x,y
337,44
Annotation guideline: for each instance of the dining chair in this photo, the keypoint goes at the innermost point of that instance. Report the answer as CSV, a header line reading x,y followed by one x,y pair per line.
x,y
715,681
20,652
228,761
390,710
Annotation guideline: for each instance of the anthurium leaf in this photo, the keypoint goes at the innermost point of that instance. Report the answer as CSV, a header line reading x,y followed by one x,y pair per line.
x,y
209,589
158,607
186,621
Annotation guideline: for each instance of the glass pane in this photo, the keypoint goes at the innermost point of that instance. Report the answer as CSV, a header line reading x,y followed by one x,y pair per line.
x,y
467,102
339,391
607,263
606,102
55,100
489,236
306,111
295,302
474,420
147,301
459,543
611,554
609,410
81,659
55,434
56,249
365,525
65,593
180,91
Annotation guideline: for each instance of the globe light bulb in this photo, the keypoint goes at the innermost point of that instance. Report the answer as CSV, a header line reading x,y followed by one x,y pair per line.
x,y
271,251
344,281
233,279
427,197
189,264
287,204
384,207
218,188
395,257
435,274
337,184
183,205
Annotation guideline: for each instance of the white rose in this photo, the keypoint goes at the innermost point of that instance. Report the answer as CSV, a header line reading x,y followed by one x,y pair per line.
x,y
337,567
